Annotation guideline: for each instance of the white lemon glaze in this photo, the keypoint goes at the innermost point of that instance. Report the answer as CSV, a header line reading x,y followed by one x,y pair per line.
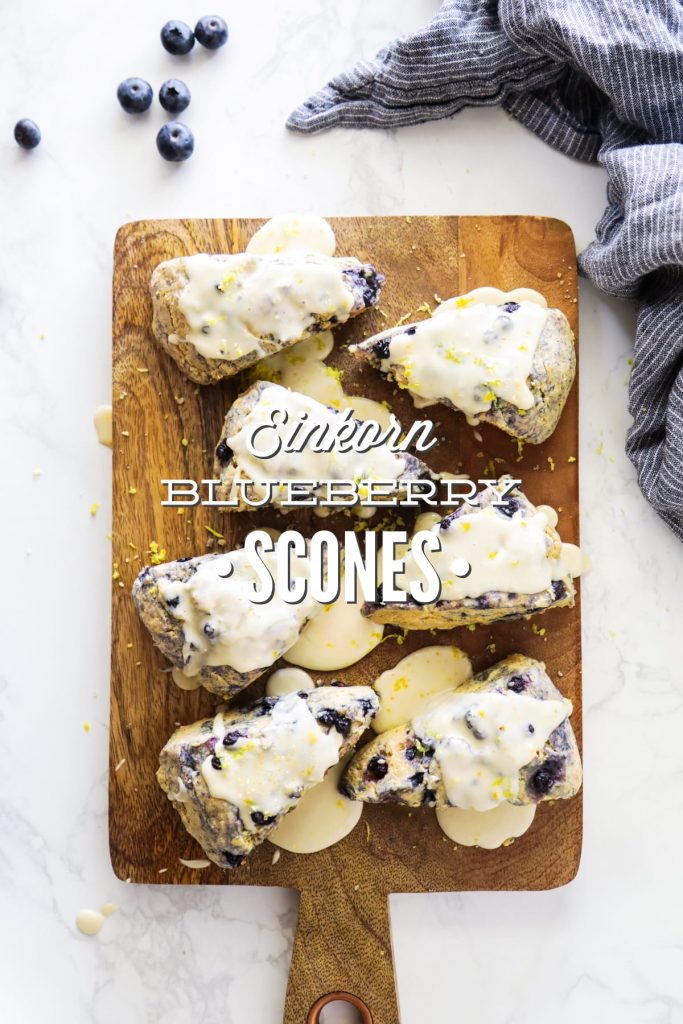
x,y
232,303
417,678
481,740
266,771
472,351
89,922
378,463
486,829
294,232
223,626
103,424
506,553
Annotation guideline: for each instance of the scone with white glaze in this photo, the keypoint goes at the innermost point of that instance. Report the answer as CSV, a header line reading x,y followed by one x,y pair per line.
x,y
503,735
200,615
234,777
519,566
218,314
509,363
254,408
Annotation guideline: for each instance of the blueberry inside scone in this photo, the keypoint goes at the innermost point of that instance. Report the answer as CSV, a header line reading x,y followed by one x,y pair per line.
x,y
232,778
504,735
200,614
518,566
509,363
218,314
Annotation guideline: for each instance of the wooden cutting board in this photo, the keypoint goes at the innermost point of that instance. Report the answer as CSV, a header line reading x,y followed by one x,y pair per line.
x,y
166,427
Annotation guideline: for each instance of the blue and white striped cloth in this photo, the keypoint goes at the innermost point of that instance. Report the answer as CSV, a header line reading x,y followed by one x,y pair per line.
x,y
599,80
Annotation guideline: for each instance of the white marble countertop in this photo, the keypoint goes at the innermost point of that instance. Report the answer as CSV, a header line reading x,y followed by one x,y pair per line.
x,y
607,947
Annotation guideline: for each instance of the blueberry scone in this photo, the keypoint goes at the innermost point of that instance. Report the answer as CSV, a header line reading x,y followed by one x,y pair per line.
x,y
514,562
263,417
201,616
217,314
234,777
510,363
503,735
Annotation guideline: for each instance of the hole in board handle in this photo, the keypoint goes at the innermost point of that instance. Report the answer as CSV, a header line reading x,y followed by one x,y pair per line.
x,y
365,1017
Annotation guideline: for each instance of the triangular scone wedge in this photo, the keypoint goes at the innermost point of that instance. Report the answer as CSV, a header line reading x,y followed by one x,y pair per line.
x,y
218,314
509,363
254,407
459,749
234,777
200,615
519,566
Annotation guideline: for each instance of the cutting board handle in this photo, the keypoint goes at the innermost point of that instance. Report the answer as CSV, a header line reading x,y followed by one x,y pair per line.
x,y
334,997
342,950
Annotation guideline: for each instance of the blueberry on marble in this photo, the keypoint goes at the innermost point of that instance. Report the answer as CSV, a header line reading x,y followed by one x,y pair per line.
x,y
135,95
27,133
377,768
177,37
175,142
174,96
211,31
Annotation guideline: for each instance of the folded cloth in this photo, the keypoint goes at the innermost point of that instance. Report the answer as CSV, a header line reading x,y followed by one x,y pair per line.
x,y
599,80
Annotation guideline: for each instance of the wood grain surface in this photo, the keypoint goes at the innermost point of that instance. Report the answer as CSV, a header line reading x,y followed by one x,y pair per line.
x,y
166,427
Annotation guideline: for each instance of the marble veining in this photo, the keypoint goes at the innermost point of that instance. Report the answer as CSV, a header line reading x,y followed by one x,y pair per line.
x,y
610,946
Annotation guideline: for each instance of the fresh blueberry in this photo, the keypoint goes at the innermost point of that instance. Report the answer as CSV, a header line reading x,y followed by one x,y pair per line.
x,y
211,31
177,37
517,683
231,738
335,720
175,141
216,763
26,133
509,507
545,777
260,819
224,453
381,348
510,307
135,95
174,96
377,768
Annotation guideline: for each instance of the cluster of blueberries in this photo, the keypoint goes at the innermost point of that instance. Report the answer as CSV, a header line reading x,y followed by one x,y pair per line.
x,y
175,141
